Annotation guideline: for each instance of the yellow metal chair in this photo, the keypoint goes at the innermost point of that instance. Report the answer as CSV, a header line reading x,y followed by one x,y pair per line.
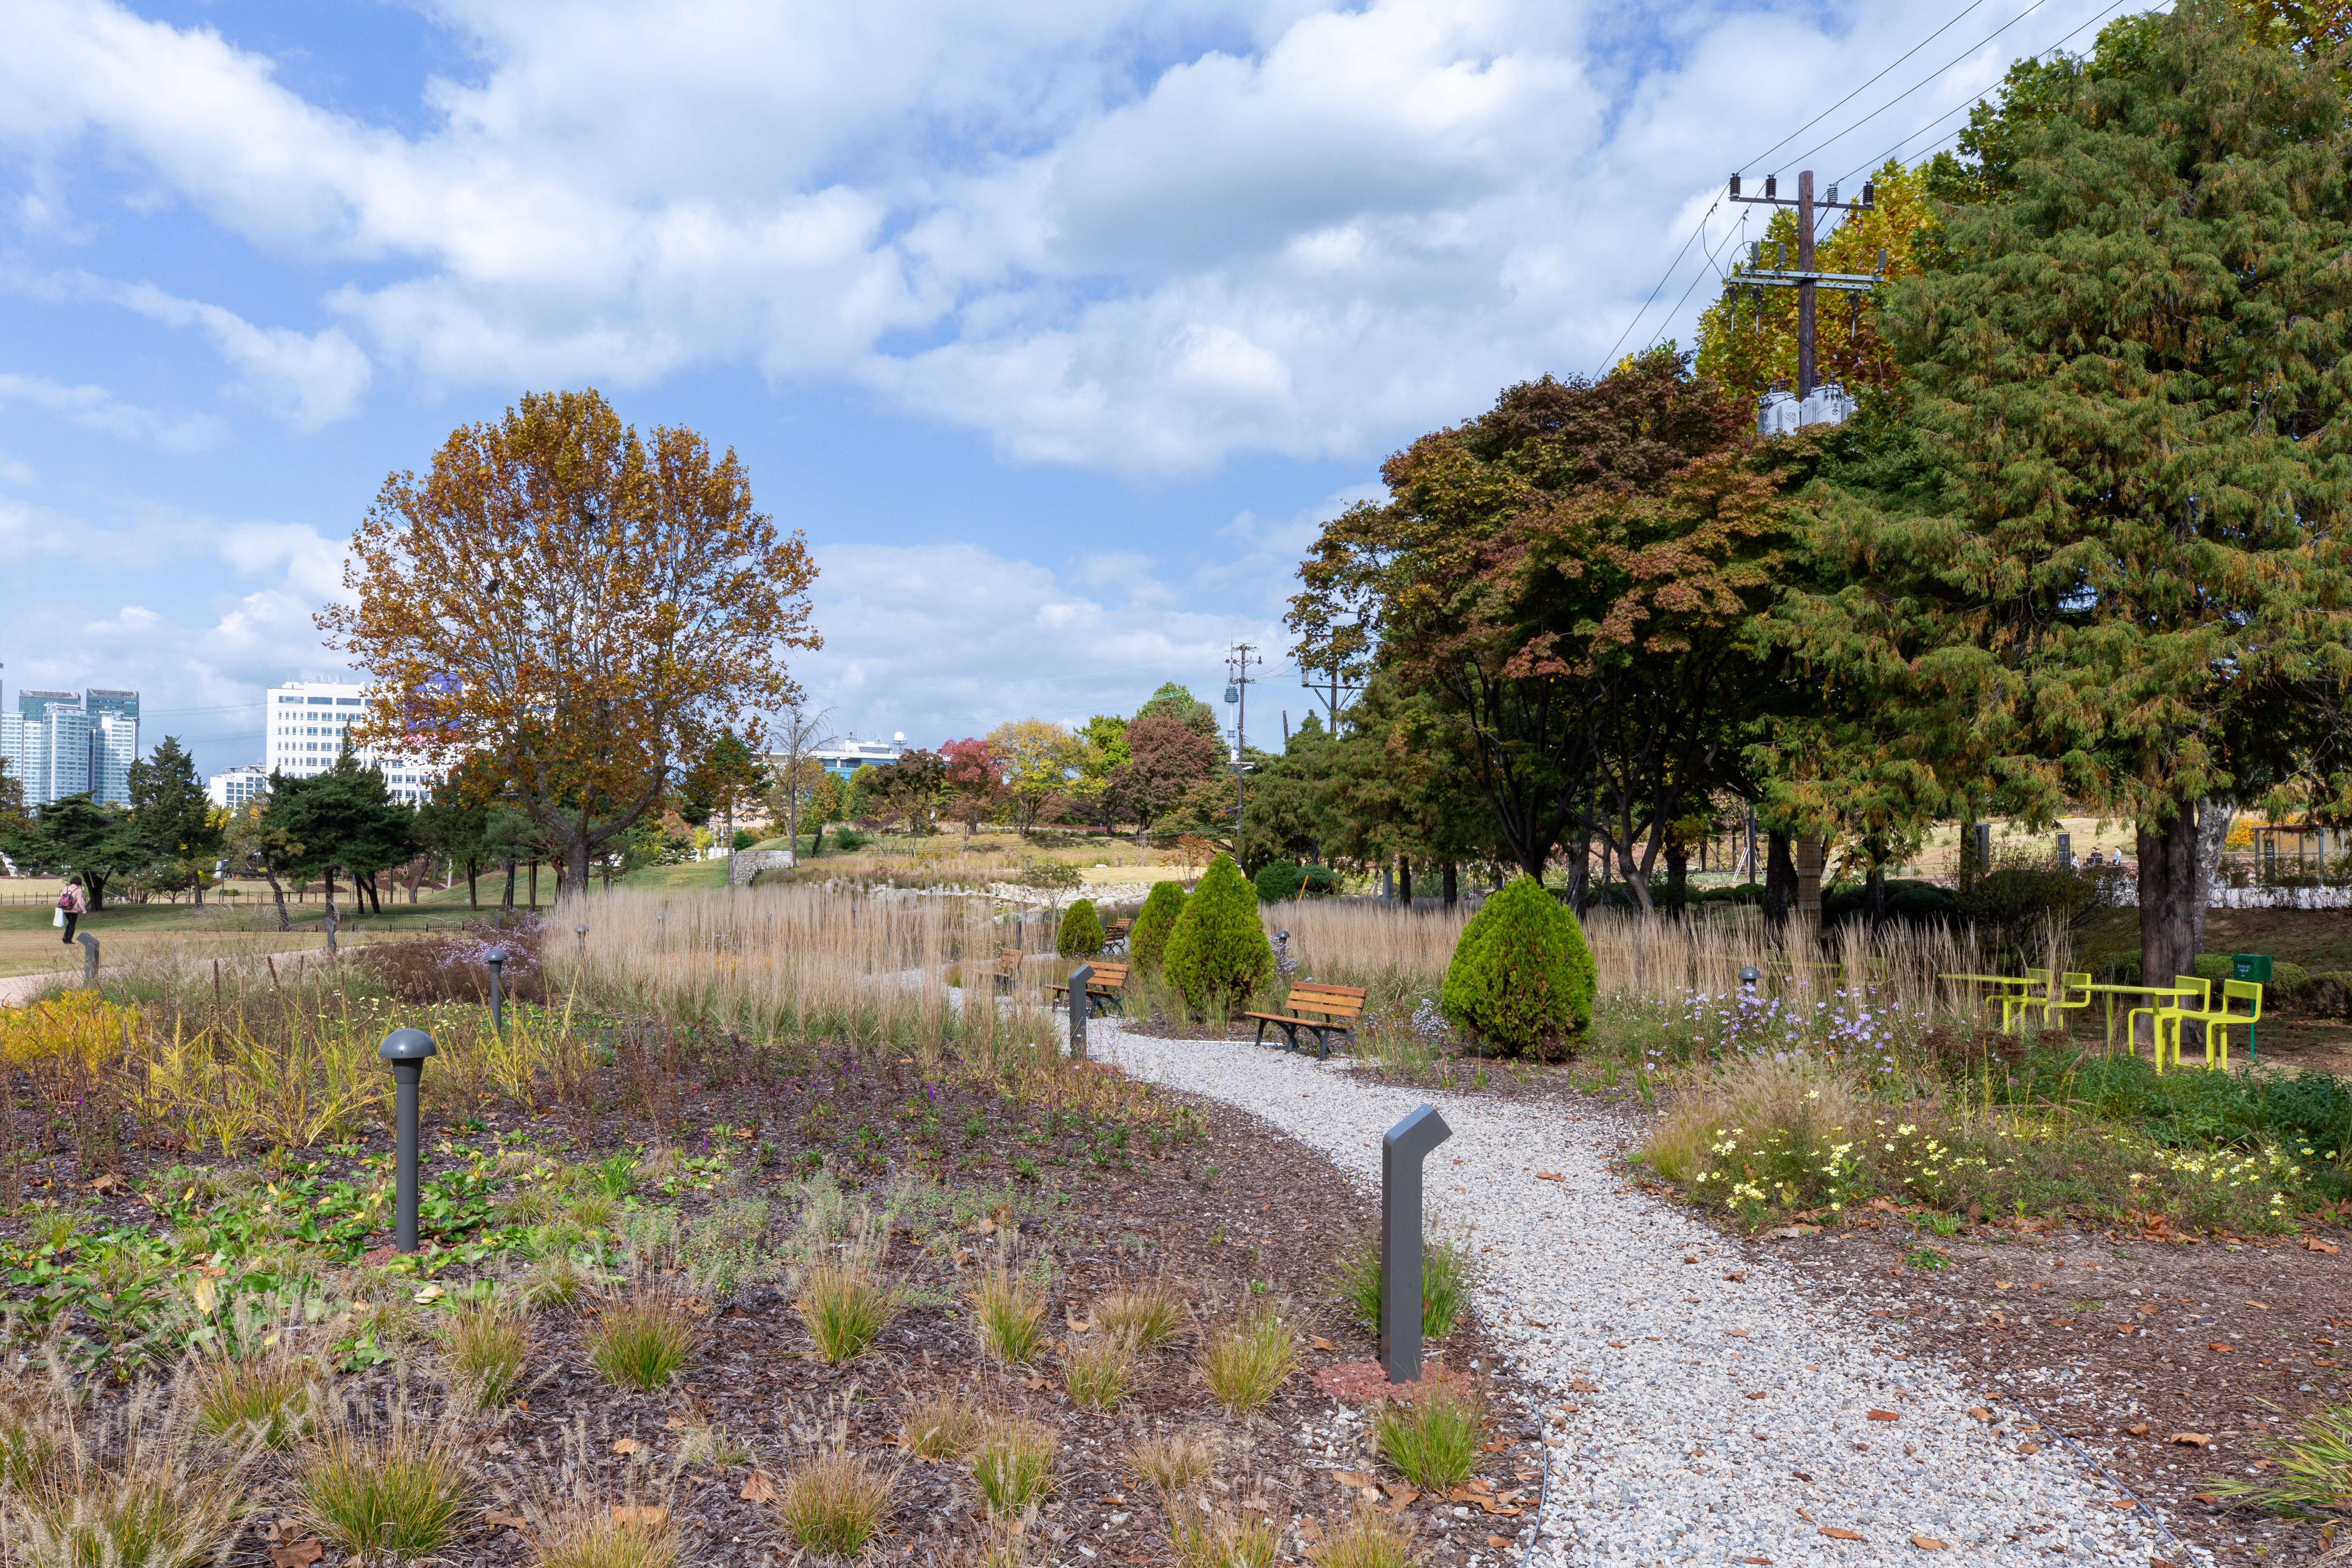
x,y
2218,1021
2014,1004
2072,992
2154,1013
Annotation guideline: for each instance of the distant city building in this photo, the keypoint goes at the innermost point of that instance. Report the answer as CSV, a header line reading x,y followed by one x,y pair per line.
x,y
851,754
307,722
59,743
231,790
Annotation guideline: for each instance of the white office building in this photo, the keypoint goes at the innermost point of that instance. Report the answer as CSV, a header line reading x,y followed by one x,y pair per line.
x,y
845,757
231,790
308,720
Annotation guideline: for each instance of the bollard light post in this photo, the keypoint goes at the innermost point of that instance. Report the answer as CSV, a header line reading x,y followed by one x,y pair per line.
x,y
1080,978
406,1049
89,958
1747,979
1402,1152
496,959
581,931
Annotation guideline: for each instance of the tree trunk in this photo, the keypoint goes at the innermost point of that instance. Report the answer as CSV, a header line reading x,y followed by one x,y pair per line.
x,y
1779,879
1404,881
1873,891
505,901
331,892
473,871
1451,883
1677,875
269,872
534,884
2171,899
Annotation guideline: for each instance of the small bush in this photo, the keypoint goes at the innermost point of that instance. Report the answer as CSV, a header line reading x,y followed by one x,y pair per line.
x,y
1169,1465
834,1504
1080,934
640,1339
2315,1467
556,1281
1280,880
1368,1539
1098,1373
1218,954
132,1492
1010,1312
1444,1270
1147,943
400,1492
845,1310
265,1402
1145,1319
1014,1468
610,1538
944,1427
1222,1539
1245,1361
1521,975
486,1347
1433,1441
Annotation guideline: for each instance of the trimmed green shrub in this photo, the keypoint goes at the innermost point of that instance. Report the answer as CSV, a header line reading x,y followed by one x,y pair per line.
x,y
1522,977
1080,934
1322,882
1281,880
1218,952
1148,940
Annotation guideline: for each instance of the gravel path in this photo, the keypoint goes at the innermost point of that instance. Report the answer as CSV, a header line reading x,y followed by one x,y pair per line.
x,y
1712,1419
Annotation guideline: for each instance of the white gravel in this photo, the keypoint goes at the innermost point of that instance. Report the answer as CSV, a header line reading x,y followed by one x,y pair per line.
x,y
1668,1459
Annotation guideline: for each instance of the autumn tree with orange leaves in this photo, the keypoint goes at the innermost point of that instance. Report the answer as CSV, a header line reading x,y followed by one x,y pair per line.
x,y
589,609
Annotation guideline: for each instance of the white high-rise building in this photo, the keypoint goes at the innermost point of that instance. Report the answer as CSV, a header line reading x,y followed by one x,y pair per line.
x,y
231,790
307,722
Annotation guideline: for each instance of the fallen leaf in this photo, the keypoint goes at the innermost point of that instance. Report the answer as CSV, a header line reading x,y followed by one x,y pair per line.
x,y
1803,1515
2314,1244
1558,1177
644,1516
1883,1415
1581,1386
510,1520
296,1555
1982,1413
1308,1530
1400,1495
2138,1429
675,1423
2029,1447
1755,1397
1353,1479
2191,1439
1497,1446
1735,1333
1532,1322
1616,1344
1756,1560
2218,1348
200,1291
758,1488
430,1294
111,1183
1836,1534
2122,1503
1927,1543
626,1446
1322,1343
1800,1474
1498,1543
1741,1280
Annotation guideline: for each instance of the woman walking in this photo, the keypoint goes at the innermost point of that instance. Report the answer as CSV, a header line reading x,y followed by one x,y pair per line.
x,y
71,906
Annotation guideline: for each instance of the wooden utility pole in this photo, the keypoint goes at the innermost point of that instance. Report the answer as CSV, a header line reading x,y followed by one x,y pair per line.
x,y
1804,280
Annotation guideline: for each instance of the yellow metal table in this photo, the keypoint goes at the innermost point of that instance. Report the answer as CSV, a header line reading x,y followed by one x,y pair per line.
x,y
2112,992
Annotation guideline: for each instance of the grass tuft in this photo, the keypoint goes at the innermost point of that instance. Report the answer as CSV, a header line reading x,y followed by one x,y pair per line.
x,y
1200,1539
1012,1315
1444,1270
610,1538
1433,1441
944,1427
486,1348
558,1280
1368,1539
845,1309
1014,1467
2315,1467
401,1491
265,1402
1146,1319
1169,1465
1245,1361
640,1339
835,1503
1097,1371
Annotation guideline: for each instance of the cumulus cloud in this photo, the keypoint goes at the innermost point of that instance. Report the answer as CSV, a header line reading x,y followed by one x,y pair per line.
x,y
99,409
307,379
1139,238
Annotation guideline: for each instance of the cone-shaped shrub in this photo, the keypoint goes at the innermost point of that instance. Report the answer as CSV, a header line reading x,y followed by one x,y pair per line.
x,y
1218,952
1522,977
1147,943
1080,934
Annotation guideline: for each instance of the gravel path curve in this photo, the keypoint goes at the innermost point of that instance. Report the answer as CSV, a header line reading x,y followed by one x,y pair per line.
x,y
1714,1420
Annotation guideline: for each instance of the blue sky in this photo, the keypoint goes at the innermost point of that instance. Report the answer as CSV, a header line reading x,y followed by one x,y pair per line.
x,y
1056,325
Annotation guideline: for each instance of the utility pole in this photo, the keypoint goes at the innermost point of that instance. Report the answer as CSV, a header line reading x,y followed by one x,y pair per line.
x,y
1330,691
1805,279
1238,660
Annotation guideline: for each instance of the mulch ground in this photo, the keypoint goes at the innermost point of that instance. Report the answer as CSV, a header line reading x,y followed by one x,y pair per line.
x,y
2128,1346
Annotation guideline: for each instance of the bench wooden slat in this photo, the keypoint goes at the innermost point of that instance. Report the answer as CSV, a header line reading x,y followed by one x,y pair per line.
x,y
1338,1008
1104,990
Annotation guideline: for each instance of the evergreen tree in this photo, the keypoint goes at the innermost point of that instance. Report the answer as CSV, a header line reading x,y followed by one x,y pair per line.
x,y
1521,975
2131,376
1080,931
76,835
1218,954
172,817
1148,941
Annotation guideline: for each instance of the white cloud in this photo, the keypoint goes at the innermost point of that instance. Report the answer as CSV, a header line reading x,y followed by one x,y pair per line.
x,y
1135,236
307,379
99,409
1015,642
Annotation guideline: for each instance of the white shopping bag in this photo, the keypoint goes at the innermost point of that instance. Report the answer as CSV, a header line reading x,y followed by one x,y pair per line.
x,y
57,918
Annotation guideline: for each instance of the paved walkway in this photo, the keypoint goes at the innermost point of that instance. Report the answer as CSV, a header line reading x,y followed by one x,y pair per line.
x,y
1695,1417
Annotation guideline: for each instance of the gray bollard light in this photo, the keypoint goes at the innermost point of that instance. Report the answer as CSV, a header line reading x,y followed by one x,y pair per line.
x,y
581,931
496,959
406,1049
89,958
1747,979
1402,1152
1080,978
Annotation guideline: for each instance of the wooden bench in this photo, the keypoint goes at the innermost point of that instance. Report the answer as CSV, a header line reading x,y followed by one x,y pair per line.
x,y
1336,1008
1115,935
1008,968
1105,991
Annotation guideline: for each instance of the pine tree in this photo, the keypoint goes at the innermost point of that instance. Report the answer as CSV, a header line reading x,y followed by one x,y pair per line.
x,y
1521,975
1080,932
1153,923
1218,952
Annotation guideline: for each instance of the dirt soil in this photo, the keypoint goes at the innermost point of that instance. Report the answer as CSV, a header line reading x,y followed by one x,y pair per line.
x,y
2126,1346
1229,1214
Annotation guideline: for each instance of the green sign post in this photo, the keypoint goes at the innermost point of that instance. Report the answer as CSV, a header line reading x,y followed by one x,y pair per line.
x,y
2255,967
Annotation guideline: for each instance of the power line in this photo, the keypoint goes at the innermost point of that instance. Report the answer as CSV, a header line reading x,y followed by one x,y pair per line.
x,y
1974,98
1686,293
1865,87
1923,81
1611,357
